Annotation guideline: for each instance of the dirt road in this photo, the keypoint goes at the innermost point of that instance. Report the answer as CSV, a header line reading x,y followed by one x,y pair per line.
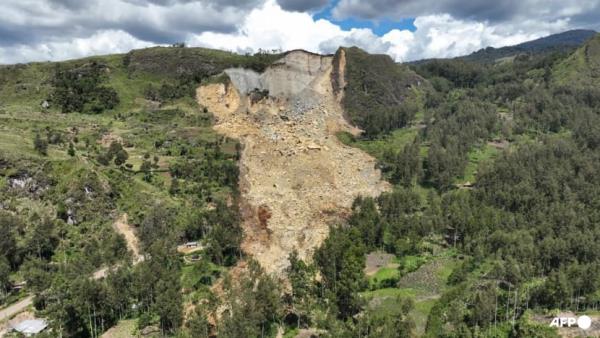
x,y
15,308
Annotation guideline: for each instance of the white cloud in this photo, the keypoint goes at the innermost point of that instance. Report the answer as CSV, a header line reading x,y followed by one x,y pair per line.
x,y
103,42
140,23
270,27
444,36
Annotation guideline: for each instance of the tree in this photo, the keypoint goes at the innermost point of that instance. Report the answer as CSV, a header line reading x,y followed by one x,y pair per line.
x,y
146,168
40,145
365,218
254,303
301,279
341,262
168,304
8,246
174,189
408,165
121,156
156,225
198,325
80,89
5,283
386,324
71,150
42,240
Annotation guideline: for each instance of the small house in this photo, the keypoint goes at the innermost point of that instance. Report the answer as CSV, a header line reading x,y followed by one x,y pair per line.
x,y
31,327
191,244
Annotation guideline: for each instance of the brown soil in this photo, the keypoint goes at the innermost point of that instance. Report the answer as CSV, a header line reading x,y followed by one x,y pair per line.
x,y
122,227
377,260
291,165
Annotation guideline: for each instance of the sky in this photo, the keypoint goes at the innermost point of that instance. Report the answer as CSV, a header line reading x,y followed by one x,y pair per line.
x,y
50,30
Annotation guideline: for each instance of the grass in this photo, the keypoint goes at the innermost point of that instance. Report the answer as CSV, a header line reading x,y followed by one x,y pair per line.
x,y
388,292
425,296
125,328
580,69
292,333
396,140
386,273
411,263
476,157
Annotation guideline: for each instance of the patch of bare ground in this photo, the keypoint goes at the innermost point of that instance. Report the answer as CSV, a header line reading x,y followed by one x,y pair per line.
x,y
296,178
124,329
122,226
499,144
425,279
377,260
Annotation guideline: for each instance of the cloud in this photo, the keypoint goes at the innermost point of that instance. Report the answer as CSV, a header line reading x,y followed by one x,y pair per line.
x,y
160,21
271,27
363,38
35,30
579,12
302,5
444,36
103,42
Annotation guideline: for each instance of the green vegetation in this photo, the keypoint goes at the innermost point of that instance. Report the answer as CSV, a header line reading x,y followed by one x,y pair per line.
x,y
379,95
517,134
479,259
66,178
582,68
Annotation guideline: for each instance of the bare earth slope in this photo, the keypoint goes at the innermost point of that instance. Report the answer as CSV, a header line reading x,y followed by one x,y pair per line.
x,y
296,177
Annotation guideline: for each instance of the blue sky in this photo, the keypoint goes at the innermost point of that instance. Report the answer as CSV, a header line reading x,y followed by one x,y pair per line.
x,y
379,26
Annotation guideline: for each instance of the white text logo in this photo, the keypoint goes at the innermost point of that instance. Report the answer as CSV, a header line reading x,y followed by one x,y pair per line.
x,y
584,322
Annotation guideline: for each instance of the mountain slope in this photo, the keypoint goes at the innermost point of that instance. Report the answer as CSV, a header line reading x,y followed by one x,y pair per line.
x,y
378,94
296,178
582,68
561,42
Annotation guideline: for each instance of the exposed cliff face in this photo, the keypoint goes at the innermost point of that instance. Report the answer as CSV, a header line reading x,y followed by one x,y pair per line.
x,y
296,177
285,78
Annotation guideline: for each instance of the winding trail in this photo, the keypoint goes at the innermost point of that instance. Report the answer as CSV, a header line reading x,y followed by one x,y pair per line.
x,y
15,308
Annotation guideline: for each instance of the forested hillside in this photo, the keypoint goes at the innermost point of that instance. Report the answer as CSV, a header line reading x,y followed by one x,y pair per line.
x,y
121,208
502,170
94,148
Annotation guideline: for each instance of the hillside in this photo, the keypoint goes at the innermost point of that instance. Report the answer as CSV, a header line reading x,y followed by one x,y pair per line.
x,y
189,192
561,42
582,68
564,42
84,142
297,179
378,95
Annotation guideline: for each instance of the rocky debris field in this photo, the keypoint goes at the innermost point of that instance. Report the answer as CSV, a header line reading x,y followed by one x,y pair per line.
x,y
296,178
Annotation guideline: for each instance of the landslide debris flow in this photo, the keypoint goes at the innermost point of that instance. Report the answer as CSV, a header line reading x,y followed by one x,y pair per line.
x,y
296,178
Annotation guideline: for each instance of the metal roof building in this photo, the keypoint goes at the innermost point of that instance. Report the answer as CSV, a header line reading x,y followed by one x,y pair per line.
x,y
31,327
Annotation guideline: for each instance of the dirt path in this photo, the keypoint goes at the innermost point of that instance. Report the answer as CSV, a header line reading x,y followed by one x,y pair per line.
x,y
15,308
122,226
296,178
